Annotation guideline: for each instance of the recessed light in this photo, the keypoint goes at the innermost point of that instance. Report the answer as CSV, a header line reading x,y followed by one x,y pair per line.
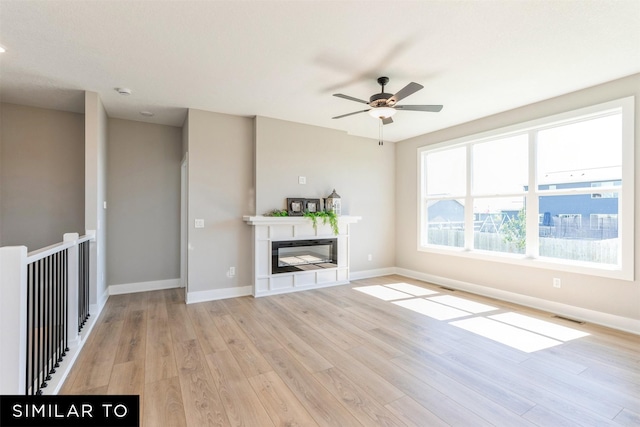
x,y
147,113
123,91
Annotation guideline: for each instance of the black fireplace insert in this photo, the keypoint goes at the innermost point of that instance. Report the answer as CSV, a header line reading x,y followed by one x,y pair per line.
x,y
303,255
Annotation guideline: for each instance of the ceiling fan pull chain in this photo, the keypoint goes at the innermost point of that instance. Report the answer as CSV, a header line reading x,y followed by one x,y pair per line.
x,y
380,142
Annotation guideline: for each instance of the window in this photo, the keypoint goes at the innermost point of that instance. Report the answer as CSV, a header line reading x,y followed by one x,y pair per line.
x,y
554,193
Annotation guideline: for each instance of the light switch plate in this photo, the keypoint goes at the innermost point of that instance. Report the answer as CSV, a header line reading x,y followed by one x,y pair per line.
x,y
199,223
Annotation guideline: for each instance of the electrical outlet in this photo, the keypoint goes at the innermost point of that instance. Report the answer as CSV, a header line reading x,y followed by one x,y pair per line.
x,y
369,257
302,180
232,271
199,223
557,283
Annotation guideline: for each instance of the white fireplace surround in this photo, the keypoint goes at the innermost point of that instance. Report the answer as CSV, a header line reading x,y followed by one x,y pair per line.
x,y
267,229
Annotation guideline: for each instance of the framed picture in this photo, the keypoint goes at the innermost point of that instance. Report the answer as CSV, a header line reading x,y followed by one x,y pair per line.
x,y
312,205
295,207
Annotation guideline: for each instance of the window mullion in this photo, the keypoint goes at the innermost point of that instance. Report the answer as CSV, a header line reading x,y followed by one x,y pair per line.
x,y
469,226
532,201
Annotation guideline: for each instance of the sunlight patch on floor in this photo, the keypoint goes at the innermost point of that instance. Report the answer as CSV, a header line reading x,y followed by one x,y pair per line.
x,y
463,304
542,327
515,330
411,289
432,309
383,292
506,334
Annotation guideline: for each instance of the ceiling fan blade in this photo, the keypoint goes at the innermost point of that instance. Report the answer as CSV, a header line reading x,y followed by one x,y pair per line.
x,y
350,114
432,108
350,98
409,89
386,120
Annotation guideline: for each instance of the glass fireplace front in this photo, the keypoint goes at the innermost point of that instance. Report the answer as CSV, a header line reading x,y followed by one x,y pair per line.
x,y
303,255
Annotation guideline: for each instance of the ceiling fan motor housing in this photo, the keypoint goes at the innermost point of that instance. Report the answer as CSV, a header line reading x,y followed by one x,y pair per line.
x,y
379,99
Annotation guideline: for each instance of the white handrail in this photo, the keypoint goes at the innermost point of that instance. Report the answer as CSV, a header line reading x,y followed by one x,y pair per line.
x,y
41,253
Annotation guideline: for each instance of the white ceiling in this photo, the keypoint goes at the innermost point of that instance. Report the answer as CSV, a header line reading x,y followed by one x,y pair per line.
x,y
285,59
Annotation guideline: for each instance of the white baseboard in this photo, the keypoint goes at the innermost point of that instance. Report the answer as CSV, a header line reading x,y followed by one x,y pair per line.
x,y
102,300
596,317
156,285
215,294
366,274
299,288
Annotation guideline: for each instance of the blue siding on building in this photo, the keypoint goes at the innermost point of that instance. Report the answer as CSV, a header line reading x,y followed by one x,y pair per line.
x,y
553,208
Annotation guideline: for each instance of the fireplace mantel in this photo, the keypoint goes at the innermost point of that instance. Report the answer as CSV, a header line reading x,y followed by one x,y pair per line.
x,y
293,220
268,229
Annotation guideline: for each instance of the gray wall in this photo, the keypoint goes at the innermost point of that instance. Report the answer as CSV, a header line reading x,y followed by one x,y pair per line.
x,y
361,171
143,196
41,175
220,192
611,296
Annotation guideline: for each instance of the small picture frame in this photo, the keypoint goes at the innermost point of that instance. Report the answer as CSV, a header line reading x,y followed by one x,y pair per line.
x,y
312,205
295,207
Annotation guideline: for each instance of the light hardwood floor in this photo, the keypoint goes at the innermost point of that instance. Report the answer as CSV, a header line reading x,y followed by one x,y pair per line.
x,y
339,357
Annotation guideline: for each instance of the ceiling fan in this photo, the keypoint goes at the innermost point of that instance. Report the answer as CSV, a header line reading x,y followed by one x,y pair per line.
x,y
383,105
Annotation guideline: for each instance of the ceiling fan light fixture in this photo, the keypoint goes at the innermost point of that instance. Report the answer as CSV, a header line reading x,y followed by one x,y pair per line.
x,y
382,112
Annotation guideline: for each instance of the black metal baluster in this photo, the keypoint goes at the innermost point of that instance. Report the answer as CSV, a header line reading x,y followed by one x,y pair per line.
x,y
86,281
80,286
47,315
29,334
66,305
56,303
61,321
39,324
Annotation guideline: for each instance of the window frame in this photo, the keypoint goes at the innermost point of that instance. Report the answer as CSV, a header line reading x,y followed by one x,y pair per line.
x,y
624,270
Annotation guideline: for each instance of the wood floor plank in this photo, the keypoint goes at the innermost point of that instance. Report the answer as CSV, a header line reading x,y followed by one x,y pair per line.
x,y
413,414
627,418
247,355
252,323
202,403
452,412
525,384
115,309
288,331
357,401
242,406
179,322
138,301
132,345
542,416
163,406
127,378
444,374
280,402
492,403
322,406
376,386
206,331
216,308
97,366
159,355
341,334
